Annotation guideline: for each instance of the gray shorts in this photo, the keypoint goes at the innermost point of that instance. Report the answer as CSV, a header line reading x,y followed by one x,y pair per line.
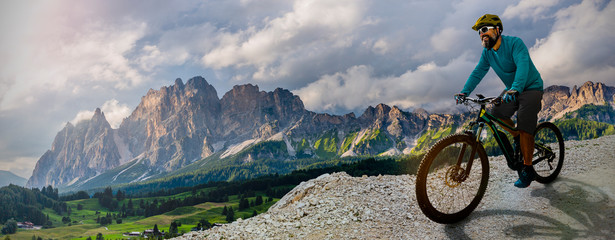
x,y
527,107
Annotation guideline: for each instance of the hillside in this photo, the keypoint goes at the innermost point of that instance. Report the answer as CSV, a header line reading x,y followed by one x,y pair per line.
x,y
579,204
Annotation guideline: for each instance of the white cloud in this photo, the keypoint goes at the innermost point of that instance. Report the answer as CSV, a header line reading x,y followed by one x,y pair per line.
x,y
100,53
152,57
381,46
579,48
59,57
312,25
357,87
448,39
114,113
530,9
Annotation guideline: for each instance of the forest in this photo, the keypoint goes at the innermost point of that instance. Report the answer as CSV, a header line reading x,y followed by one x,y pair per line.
x,y
25,204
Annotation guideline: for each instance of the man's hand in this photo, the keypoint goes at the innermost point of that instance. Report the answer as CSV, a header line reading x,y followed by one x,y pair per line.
x,y
510,96
460,98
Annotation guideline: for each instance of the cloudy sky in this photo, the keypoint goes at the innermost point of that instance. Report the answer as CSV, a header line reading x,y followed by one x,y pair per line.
x,y
60,60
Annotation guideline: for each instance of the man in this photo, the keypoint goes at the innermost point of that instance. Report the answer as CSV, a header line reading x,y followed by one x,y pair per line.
x,y
510,59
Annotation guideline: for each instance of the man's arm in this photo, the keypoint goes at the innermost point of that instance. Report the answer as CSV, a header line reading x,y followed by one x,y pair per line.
x,y
521,56
477,75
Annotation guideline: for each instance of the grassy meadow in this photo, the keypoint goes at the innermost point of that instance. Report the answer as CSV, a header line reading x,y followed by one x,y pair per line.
x,y
83,222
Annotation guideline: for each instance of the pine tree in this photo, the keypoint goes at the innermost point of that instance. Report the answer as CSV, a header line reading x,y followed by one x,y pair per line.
x,y
120,195
230,215
173,228
243,204
156,231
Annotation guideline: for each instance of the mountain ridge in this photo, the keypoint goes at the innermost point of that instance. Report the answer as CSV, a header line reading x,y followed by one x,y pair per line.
x,y
182,124
560,100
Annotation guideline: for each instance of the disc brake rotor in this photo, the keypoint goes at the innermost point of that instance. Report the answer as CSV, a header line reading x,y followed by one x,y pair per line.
x,y
454,176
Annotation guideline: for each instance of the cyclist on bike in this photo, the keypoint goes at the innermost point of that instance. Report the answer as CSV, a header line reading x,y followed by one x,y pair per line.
x,y
510,59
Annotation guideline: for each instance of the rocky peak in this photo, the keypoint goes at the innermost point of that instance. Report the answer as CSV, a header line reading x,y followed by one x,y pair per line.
x,y
246,91
98,112
189,111
174,96
421,112
245,108
559,100
396,113
199,83
77,151
381,111
558,90
99,119
179,83
591,93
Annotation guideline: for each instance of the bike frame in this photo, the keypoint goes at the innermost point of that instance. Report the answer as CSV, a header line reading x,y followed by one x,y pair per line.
x,y
485,118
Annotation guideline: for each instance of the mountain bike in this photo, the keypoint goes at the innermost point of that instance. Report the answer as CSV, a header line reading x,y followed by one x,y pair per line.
x,y
453,175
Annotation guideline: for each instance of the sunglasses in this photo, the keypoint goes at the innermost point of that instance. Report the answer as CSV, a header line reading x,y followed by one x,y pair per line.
x,y
484,29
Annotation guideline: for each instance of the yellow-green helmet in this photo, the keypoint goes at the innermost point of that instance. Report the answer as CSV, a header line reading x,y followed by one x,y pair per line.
x,y
488,20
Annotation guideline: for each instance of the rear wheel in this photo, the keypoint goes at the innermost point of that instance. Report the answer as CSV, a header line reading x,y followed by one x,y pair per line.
x,y
448,192
548,152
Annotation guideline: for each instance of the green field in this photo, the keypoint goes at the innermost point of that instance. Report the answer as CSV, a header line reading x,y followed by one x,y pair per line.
x,y
83,222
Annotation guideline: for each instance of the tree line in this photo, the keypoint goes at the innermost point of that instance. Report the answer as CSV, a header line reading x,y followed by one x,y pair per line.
x,y
579,129
273,185
23,204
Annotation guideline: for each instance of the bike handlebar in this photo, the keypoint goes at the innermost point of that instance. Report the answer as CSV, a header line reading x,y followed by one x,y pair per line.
x,y
481,100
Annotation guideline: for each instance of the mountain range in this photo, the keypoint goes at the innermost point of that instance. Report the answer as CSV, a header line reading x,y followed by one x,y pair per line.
x,y
186,127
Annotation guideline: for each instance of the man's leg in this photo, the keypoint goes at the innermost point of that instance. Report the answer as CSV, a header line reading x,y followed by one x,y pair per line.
x,y
509,122
527,147
526,173
527,117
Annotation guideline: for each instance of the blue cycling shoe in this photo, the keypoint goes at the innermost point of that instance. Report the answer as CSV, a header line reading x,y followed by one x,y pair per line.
x,y
526,176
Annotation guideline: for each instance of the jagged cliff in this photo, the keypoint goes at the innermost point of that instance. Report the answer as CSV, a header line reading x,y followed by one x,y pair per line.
x,y
559,100
78,151
169,126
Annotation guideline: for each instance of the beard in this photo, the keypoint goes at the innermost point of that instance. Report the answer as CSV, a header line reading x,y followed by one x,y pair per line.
x,y
490,41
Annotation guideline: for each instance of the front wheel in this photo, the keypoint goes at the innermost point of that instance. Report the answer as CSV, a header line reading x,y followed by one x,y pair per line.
x,y
447,190
548,152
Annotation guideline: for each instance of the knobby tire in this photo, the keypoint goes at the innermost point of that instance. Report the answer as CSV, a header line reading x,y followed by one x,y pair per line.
x,y
547,133
427,166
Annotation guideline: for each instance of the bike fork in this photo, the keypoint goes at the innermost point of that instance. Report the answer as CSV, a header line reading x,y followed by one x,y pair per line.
x,y
473,153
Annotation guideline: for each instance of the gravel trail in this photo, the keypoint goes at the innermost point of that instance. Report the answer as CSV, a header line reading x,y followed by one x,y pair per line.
x,y
580,204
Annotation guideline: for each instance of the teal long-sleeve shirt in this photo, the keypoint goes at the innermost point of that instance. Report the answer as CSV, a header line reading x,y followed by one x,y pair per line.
x,y
511,62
